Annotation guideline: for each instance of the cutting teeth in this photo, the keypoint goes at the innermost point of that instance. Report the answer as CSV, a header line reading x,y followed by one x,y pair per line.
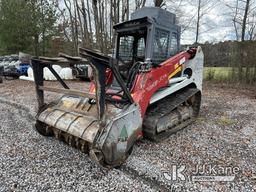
x,y
71,140
77,143
83,147
57,134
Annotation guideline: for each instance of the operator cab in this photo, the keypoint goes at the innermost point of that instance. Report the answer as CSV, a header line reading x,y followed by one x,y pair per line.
x,y
151,35
131,47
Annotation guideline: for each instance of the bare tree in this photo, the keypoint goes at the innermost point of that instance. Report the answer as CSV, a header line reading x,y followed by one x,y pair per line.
x,y
204,7
235,19
89,23
96,20
72,24
139,3
190,15
252,26
87,41
184,18
125,10
159,3
89,19
245,19
198,20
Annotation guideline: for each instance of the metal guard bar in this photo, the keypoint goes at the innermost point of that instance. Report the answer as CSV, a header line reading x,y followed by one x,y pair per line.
x,y
39,63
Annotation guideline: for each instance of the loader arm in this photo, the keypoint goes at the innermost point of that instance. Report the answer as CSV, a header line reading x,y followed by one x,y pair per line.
x,y
149,83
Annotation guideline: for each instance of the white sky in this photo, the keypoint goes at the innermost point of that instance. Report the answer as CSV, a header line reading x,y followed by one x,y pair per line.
x,y
215,26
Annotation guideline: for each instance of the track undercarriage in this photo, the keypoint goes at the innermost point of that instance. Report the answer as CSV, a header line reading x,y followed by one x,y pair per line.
x,y
169,115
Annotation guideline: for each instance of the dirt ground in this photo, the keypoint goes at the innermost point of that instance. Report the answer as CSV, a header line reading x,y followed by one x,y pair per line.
x,y
222,141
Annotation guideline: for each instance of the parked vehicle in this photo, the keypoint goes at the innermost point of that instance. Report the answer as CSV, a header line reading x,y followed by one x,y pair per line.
x,y
82,71
13,67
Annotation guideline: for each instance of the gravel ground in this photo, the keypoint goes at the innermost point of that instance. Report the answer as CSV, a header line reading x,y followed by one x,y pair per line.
x,y
224,137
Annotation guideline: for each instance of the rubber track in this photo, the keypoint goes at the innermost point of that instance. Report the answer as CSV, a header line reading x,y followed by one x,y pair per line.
x,y
162,108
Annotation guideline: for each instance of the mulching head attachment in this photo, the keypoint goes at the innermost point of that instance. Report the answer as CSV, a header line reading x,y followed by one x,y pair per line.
x,y
87,120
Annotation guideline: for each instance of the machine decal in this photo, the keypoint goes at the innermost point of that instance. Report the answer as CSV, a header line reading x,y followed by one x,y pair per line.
x,y
183,60
175,72
156,82
123,135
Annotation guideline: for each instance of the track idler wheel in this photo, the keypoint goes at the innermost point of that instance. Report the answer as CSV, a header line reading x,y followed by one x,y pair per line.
x,y
43,129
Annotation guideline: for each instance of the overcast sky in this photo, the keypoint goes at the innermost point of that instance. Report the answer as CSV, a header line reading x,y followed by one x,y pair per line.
x,y
216,25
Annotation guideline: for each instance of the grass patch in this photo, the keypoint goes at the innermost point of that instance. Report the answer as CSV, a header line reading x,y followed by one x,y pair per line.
x,y
226,121
217,73
230,74
200,119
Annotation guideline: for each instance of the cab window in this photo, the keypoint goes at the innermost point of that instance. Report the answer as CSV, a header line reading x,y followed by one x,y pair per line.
x,y
141,47
126,47
160,49
173,49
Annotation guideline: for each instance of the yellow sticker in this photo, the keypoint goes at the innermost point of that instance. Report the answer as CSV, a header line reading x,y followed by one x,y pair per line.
x,y
174,72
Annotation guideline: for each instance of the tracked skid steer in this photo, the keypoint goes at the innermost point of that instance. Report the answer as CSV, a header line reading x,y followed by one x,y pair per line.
x,y
149,88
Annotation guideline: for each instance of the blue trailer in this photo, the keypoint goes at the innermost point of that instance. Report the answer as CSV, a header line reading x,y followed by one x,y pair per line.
x,y
16,72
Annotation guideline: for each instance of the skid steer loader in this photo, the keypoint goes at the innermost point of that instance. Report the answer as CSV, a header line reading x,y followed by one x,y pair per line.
x,y
147,89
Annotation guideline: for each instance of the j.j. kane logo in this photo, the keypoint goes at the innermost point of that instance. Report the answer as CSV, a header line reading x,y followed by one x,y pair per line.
x,y
202,173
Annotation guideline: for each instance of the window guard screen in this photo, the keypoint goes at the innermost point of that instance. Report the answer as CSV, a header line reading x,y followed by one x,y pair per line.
x,y
141,47
126,48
